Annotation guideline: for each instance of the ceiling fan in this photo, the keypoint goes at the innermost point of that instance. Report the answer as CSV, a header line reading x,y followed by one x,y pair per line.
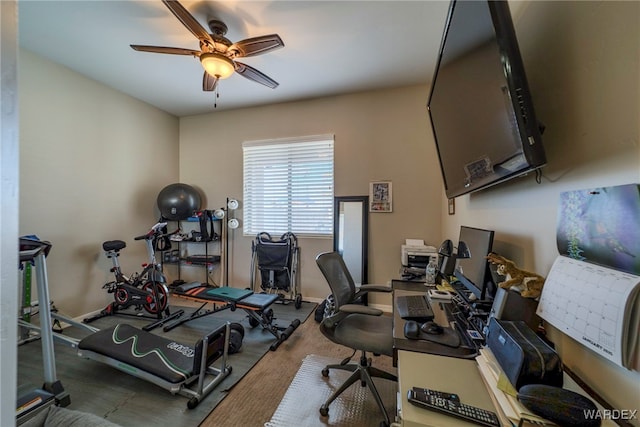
x,y
217,54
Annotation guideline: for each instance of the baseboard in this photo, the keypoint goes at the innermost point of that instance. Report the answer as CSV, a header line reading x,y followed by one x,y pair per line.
x,y
384,307
87,315
79,319
311,299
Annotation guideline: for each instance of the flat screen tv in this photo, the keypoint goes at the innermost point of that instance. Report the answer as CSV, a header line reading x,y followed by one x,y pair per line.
x,y
480,107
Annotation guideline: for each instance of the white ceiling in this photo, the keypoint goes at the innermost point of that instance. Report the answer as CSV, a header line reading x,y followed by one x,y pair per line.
x,y
331,47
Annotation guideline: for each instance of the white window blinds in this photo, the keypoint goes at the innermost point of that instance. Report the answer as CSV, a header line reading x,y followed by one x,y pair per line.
x,y
288,186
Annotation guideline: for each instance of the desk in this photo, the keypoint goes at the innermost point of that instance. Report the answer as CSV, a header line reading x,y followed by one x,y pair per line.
x,y
400,342
425,364
450,374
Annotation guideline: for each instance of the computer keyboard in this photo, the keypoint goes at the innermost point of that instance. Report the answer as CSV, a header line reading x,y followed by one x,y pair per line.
x,y
414,307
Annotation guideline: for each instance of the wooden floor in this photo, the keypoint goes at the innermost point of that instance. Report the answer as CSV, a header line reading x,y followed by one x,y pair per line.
x,y
256,397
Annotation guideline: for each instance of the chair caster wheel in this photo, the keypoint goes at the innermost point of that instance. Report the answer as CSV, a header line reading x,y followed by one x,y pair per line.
x,y
324,411
298,301
193,402
325,372
253,322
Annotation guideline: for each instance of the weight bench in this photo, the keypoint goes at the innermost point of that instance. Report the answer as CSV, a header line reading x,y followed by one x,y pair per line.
x,y
178,368
257,306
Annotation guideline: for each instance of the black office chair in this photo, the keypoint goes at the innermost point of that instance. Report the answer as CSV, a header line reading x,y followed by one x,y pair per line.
x,y
356,326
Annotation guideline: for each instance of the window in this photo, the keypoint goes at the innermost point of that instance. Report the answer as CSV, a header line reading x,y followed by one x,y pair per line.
x,y
288,186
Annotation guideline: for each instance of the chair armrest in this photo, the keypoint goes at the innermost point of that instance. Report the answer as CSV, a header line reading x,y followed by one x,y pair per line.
x,y
375,288
360,309
365,289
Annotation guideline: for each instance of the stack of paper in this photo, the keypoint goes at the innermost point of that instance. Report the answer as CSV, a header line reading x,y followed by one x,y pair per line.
x,y
509,409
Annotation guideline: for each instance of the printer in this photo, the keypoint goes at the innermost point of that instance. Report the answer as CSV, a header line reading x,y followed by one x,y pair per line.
x,y
414,253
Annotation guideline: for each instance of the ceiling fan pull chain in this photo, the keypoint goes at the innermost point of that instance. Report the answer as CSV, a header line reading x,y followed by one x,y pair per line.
x,y
215,100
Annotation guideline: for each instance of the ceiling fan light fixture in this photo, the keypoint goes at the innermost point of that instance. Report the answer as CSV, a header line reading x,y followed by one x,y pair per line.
x,y
217,65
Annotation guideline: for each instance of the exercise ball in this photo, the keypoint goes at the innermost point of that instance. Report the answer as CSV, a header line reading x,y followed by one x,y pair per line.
x,y
178,201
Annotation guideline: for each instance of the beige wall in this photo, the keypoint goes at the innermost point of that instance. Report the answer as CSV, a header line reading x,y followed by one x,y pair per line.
x,y
92,161
582,64
378,136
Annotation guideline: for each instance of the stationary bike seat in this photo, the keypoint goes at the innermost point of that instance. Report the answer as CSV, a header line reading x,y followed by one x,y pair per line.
x,y
113,245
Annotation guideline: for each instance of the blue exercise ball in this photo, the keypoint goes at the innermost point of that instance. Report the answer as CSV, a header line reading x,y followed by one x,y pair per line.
x,y
178,202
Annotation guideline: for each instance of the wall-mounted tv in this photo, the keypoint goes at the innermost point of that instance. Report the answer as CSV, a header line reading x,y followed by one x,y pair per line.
x,y
480,106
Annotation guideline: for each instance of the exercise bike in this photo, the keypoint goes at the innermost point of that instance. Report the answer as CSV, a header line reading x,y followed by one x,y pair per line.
x,y
146,290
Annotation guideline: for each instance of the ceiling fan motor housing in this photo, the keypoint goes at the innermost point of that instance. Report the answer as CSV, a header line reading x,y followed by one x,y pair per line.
x,y
217,53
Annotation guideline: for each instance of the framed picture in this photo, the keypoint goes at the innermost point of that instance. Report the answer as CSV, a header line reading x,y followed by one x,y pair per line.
x,y
452,206
380,196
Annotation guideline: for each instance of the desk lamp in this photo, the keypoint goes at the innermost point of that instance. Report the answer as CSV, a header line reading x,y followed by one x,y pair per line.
x,y
447,257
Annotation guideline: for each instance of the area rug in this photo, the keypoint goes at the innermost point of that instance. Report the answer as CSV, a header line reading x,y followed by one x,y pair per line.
x,y
355,407
129,401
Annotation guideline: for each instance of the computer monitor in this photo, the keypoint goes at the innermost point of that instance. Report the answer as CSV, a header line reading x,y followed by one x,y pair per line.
x,y
472,268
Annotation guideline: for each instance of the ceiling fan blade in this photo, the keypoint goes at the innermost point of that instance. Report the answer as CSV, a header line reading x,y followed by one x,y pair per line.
x,y
252,74
188,21
209,82
257,45
162,49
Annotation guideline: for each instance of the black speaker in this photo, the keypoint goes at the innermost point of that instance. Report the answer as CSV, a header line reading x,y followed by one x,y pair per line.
x,y
510,305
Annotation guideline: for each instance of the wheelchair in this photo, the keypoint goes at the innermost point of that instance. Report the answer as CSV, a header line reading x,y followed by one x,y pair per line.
x,y
274,266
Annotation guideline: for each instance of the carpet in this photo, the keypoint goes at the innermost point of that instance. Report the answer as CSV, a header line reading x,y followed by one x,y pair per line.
x,y
129,401
355,407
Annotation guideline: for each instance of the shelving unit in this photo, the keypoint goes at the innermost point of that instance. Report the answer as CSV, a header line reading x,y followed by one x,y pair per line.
x,y
194,251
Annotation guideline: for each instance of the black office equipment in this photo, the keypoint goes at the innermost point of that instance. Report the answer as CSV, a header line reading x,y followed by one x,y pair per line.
x,y
523,356
563,407
412,330
462,325
472,270
431,328
450,343
433,400
510,305
414,307
432,332
480,105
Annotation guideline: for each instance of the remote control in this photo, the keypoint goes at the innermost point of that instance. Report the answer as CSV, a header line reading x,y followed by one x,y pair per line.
x,y
422,393
451,407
